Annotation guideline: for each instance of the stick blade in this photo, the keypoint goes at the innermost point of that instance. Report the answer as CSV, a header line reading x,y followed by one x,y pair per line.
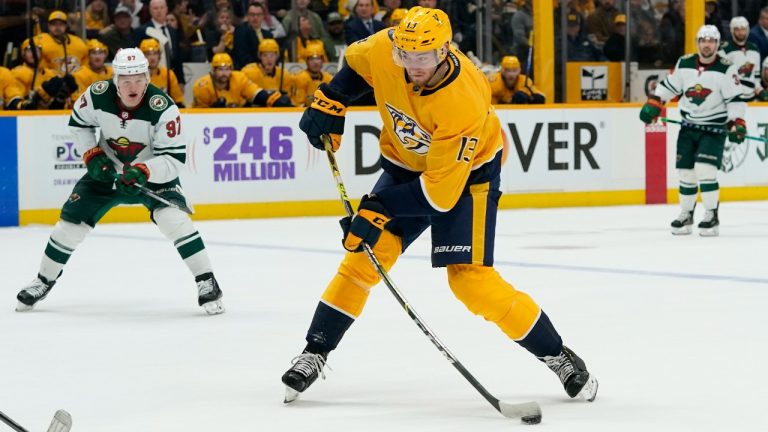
x,y
62,422
528,412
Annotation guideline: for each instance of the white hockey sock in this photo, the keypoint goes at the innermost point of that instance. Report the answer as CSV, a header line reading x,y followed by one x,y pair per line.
x,y
710,188
64,239
177,227
688,189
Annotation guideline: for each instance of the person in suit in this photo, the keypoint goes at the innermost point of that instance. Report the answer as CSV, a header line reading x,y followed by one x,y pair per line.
x,y
362,24
158,10
248,35
759,34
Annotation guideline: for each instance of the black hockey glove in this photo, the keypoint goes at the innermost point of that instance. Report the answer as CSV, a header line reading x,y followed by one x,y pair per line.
x,y
271,98
53,86
134,175
100,168
220,103
325,117
366,226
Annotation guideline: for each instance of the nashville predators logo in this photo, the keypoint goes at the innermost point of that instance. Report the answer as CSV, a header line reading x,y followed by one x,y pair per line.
x,y
697,94
125,149
412,136
746,69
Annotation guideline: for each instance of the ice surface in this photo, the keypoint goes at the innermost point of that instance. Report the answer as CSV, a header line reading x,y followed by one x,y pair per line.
x,y
673,327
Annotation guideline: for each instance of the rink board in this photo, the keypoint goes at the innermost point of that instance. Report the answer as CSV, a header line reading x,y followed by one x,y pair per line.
x,y
257,163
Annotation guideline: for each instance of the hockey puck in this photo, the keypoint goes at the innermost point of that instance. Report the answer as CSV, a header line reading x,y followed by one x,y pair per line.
x,y
531,419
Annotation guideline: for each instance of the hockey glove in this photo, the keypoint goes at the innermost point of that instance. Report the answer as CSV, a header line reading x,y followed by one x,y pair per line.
x,y
220,103
366,225
651,110
520,97
99,166
325,116
737,129
133,175
538,98
53,86
763,95
271,98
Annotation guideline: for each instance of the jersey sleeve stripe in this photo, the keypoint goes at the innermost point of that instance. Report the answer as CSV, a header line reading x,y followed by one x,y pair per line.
x,y
670,87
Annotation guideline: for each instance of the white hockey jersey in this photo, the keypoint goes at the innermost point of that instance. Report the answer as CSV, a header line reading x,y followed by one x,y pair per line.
x,y
709,94
149,133
747,59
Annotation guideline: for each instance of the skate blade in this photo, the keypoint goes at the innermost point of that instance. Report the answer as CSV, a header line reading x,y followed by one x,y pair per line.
x,y
682,231
62,422
709,232
21,307
589,391
215,307
290,395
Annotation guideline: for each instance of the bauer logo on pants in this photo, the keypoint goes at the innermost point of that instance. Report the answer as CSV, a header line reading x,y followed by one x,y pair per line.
x,y
594,83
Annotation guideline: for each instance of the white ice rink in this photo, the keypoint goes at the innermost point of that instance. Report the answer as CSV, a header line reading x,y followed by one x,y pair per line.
x,y
675,329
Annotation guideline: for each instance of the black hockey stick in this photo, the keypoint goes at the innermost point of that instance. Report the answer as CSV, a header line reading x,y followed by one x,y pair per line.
x,y
711,129
152,194
528,412
62,422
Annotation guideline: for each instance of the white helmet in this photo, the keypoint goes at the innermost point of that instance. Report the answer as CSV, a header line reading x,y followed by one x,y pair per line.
x,y
129,61
708,32
739,22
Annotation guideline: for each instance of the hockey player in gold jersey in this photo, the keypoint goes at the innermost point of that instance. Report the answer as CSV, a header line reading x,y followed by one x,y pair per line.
x,y
95,70
57,45
510,86
267,74
306,82
224,87
43,88
161,77
11,92
441,151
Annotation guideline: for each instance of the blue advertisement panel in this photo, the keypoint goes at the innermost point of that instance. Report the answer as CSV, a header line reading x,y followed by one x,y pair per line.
x,y
9,173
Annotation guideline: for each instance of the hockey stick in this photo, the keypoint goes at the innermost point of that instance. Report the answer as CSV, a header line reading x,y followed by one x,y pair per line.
x,y
62,422
710,129
528,412
152,194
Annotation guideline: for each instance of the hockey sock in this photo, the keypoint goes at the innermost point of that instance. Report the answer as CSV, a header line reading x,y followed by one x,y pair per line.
x,y
177,227
65,237
543,339
710,188
688,189
327,328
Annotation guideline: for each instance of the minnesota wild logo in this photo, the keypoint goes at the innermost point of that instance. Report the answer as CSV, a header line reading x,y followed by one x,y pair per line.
x,y
697,94
746,69
125,149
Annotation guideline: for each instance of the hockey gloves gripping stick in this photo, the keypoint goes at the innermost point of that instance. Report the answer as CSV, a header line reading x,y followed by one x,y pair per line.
x,y
737,130
651,110
99,166
734,127
133,175
366,226
325,117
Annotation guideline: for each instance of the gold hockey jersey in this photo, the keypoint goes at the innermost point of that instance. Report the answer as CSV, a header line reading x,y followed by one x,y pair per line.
x,y
443,132
241,90
10,88
304,86
25,74
87,76
268,82
501,94
160,78
53,53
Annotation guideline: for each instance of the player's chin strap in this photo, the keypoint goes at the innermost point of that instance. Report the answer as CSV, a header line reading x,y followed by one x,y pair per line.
x,y
528,412
710,129
152,194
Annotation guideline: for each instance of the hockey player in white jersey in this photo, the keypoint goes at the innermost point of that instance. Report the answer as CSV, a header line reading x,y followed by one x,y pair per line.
x,y
140,144
710,93
745,55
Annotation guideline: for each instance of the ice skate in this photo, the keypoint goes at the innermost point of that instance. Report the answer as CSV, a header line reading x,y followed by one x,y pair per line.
x,y
710,225
37,290
573,373
306,368
683,224
209,294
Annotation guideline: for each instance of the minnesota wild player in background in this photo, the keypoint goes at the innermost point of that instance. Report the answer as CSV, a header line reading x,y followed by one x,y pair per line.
x,y
140,144
710,93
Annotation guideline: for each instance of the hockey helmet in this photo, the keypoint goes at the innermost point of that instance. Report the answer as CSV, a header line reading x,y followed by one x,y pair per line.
x,y
510,62
708,31
421,38
268,45
397,16
96,45
739,22
25,44
221,60
149,45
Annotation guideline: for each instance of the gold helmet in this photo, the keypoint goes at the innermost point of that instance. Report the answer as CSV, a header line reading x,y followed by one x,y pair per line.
x,y
314,49
149,45
96,45
422,31
397,15
510,62
221,60
25,44
268,45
